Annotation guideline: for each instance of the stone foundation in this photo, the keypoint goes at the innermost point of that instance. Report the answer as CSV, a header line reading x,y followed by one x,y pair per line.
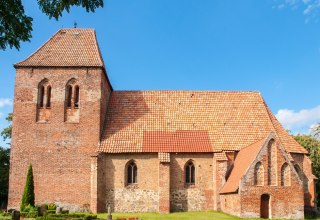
x,y
191,199
132,200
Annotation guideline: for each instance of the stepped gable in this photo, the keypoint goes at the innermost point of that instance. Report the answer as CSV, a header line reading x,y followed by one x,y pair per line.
x,y
222,120
73,47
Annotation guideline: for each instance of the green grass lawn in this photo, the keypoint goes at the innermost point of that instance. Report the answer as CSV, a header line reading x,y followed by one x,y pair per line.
x,y
210,215
172,216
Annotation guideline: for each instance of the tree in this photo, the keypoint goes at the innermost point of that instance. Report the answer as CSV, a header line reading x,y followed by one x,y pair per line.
x,y
6,133
5,164
28,193
4,175
16,26
316,130
312,144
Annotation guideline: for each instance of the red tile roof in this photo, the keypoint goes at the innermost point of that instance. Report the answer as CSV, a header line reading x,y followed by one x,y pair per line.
x,y
139,121
179,141
68,47
242,163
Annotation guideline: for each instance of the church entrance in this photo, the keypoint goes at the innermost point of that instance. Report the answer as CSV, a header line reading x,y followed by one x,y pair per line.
x,y
264,206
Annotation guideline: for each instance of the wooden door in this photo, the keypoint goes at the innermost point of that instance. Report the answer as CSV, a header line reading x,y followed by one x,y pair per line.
x,y
264,207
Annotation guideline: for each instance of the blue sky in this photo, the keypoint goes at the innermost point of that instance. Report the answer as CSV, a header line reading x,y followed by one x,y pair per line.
x,y
266,45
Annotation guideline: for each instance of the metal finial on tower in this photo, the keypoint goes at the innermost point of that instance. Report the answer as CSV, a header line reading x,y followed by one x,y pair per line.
x,y
75,24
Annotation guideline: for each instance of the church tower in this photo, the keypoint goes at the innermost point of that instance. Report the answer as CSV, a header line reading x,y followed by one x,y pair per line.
x,y
60,101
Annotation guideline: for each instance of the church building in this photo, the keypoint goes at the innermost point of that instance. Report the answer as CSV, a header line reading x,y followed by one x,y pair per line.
x,y
93,147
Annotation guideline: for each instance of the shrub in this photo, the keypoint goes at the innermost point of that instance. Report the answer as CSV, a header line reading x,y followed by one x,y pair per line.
x,y
90,217
52,206
29,208
28,193
72,216
50,212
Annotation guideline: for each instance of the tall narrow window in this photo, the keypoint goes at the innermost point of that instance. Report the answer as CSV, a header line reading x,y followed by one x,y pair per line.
x,y
69,96
72,102
44,101
48,97
44,94
285,175
41,96
259,174
132,173
190,173
76,97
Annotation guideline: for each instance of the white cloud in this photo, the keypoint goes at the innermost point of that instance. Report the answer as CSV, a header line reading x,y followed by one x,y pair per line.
x,y
299,121
5,102
310,8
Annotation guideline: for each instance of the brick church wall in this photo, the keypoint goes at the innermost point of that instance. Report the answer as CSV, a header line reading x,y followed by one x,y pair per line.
x,y
143,197
230,203
285,201
305,165
191,198
59,151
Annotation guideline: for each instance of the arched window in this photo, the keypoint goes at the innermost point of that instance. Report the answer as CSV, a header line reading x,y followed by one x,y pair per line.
x,y
285,175
76,97
190,173
48,97
69,96
44,94
41,96
132,173
72,94
72,102
259,174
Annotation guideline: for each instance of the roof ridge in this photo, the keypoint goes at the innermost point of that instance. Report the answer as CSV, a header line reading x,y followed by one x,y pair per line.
x,y
98,48
199,91
31,55
272,118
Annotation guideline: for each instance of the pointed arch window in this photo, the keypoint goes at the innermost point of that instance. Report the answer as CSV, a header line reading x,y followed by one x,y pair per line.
x,y
48,97
76,97
285,175
259,174
69,96
41,96
190,173
44,94
132,173
72,94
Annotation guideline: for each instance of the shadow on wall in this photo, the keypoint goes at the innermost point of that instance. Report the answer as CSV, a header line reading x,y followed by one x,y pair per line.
x,y
124,108
178,191
107,187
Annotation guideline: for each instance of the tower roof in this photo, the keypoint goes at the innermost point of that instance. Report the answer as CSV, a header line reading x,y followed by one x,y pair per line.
x,y
73,47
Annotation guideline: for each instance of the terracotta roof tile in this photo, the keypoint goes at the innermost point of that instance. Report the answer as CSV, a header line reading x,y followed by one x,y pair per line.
x,y
179,141
242,162
233,120
68,47
290,144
